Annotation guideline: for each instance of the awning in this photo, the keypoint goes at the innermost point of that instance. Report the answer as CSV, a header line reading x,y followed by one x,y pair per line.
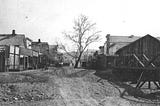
x,y
26,52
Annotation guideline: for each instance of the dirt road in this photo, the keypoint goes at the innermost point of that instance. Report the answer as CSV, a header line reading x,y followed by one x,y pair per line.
x,y
62,87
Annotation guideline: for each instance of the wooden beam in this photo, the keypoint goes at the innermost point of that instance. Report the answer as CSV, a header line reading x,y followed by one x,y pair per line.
x,y
141,84
139,60
153,59
156,84
137,86
139,80
148,60
159,83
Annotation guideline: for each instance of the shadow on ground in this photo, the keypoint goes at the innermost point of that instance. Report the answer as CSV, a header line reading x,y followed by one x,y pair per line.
x,y
127,91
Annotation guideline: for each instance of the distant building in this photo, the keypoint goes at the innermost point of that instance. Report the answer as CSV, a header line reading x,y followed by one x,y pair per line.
x,y
54,54
67,58
114,43
101,50
87,56
41,47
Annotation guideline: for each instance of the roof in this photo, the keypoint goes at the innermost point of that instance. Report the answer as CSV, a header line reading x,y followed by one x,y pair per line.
x,y
127,39
26,52
9,39
29,39
158,38
53,46
36,43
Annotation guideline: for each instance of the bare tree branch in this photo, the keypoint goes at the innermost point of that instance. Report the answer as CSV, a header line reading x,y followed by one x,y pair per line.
x,y
68,53
70,37
83,35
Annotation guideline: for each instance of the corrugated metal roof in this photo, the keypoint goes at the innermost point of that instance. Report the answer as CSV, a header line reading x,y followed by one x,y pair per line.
x,y
116,39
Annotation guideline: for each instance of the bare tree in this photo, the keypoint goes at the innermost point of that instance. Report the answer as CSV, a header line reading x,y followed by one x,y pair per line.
x,y
84,33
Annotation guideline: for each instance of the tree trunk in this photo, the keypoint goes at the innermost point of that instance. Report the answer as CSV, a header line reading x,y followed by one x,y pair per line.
x,y
76,65
77,61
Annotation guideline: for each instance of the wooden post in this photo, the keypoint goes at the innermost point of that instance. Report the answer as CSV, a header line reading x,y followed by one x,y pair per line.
x,y
149,84
108,43
24,62
140,78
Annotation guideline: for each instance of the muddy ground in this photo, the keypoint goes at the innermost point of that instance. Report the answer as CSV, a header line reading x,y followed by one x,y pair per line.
x,y
67,87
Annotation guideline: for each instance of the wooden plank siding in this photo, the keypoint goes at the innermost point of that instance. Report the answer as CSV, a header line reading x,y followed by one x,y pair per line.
x,y
134,58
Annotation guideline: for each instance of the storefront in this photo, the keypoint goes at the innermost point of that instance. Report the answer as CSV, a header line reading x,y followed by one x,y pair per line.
x,y
9,58
28,59
13,60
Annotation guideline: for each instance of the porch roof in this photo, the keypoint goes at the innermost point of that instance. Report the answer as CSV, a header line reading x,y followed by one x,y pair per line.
x,y
28,52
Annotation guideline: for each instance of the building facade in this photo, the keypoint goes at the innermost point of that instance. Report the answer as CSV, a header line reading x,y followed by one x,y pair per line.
x,y
114,43
20,51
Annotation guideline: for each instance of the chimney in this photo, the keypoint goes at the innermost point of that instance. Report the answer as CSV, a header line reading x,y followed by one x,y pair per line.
x,y
108,43
108,36
131,36
39,40
13,32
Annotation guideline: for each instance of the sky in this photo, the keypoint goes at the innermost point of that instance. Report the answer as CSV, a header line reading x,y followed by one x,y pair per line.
x,y
47,19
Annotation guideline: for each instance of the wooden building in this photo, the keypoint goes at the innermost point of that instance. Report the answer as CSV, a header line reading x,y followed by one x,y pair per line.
x,y
4,54
20,51
139,61
9,58
142,49
114,43
43,49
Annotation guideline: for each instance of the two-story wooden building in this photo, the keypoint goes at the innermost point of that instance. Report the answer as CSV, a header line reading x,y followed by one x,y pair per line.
x,y
19,54
43,49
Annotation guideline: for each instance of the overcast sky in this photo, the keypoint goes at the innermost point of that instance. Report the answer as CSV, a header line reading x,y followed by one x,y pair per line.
x,y
47,19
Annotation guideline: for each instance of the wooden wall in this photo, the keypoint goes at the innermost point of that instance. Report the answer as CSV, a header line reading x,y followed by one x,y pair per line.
x,y
147,45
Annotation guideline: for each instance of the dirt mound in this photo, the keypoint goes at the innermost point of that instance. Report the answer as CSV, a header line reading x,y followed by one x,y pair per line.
x,y
27,92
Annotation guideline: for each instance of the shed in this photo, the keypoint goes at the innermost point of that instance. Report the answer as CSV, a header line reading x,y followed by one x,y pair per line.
x,y
147,45
139,59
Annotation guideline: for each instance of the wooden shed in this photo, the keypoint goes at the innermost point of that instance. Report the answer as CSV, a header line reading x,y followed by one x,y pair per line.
x,y
138,52
139,61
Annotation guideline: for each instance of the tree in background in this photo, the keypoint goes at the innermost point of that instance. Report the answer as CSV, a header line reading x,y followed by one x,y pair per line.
x,y
84,33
